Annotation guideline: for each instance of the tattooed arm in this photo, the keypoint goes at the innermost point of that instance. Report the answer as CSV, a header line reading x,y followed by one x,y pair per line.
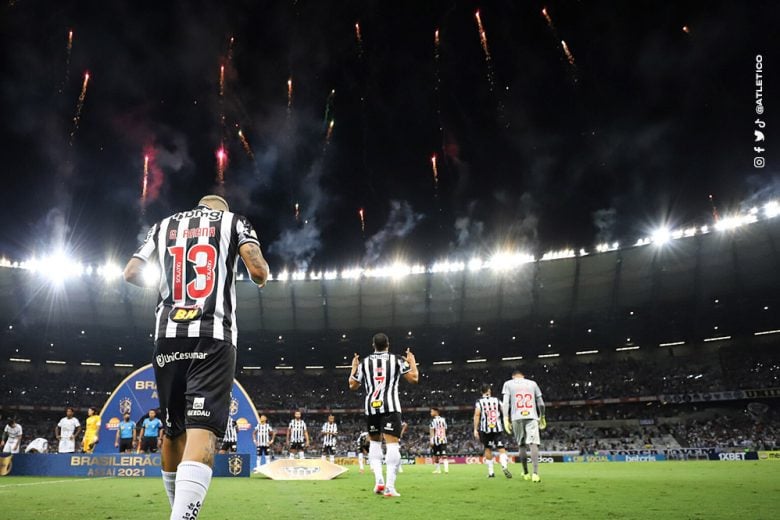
x,y
255,263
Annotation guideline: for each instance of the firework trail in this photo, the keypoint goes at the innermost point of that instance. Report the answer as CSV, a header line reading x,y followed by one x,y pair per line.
x,y
245,144
289,94
329,134
715,214
437,79
486,50
297,212
145,183
567,52
222,159
230,49
68,50
435,170
79,107
549,20
329,107
221,81
362,216
359,39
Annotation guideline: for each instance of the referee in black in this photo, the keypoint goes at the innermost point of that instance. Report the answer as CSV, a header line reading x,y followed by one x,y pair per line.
x,y
196,252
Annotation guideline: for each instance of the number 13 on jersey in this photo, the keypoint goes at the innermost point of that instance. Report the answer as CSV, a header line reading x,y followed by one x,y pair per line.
x,y
203,258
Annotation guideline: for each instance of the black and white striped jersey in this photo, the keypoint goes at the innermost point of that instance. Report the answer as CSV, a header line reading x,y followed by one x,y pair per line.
x,y
380,374
231,435
263,434
362,440
330,431
490,420
196,252
439,430
297,429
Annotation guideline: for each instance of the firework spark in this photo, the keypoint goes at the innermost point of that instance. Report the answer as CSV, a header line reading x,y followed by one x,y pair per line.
x,y
435,170
567,52
686,29
486,50
230,49
548,19
221,81
329,107
222,159
289,93
362,215
145,183
359,39
329,134
297,212
79,107
68,50
245,144
715,214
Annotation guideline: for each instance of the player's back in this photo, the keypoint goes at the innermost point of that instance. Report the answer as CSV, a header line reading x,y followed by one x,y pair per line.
x,y
489,414
197,253
381,374
522,398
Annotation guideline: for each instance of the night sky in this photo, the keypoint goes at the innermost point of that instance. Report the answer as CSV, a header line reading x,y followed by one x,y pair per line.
x,y
532,151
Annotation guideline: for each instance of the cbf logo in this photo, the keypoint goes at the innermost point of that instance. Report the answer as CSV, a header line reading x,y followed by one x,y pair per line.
x,y
233,406
125,405
235,465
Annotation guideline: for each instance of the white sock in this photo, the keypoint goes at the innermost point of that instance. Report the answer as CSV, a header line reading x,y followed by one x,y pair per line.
x,y
375,460
360,460
169,481
438,467
446,465
503,459
490,466
192,483
393,462
292,455
323,457
333,459
301,454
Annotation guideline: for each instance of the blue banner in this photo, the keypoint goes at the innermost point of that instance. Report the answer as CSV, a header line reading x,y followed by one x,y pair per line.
x,y
113,465
137,394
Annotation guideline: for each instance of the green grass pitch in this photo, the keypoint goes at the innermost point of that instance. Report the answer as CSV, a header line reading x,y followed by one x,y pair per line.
x,y
700,490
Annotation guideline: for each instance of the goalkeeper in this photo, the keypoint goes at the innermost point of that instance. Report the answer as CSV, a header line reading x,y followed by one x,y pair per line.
x,y
523,405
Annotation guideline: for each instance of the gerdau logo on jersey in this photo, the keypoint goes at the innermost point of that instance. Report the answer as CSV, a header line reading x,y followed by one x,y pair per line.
x,y
163,359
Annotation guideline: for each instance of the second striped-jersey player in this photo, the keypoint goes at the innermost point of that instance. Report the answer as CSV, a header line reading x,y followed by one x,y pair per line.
x,y
438,431
379,374
264,436
489,427
297,436
230,439
329,435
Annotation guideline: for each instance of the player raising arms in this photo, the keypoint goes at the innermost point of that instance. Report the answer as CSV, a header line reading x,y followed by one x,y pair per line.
x,y
196,253
438,430
380,373
488,427
524,407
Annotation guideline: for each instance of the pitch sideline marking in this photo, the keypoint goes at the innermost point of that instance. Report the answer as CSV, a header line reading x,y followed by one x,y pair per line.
x,y
51,482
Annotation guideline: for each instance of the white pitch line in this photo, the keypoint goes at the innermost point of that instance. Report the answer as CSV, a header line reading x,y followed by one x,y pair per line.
x,y
51,482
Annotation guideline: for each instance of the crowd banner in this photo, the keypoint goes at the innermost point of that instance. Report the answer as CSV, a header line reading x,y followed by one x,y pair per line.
x,y
137,394
112,465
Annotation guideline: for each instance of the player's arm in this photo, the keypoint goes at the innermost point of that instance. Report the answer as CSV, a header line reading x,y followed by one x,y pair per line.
x,y
413,376
355,375
254,262
77,432
57,432
273,437
477,414
306,435
432,433
134,271
116,439
404,427
540,406
506,411
287,440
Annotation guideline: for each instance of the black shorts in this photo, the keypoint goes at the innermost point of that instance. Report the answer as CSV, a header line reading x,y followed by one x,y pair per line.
x,y
298,446
328,450
125,445
229,447
262,450
389,423
491,441
438,450
149,444
194,379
